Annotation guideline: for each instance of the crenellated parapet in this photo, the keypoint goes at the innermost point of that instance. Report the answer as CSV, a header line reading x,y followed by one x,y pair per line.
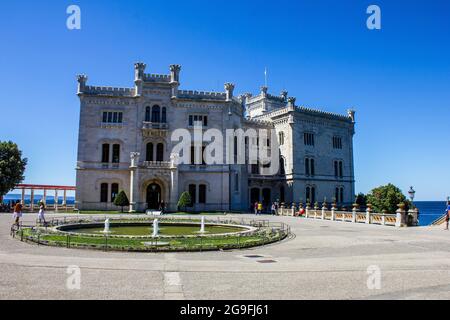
x,y
324,114
157,78
204,95
109,91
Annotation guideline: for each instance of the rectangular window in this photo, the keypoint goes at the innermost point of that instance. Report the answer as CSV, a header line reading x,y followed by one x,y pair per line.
x,y
196,119
337,143
112,117
308,139
307,167
202,193
236,182
341,171
105,153
313,169
116,153
336,173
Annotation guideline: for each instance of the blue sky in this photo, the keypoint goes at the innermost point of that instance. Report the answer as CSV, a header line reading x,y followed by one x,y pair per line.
x,y
397,78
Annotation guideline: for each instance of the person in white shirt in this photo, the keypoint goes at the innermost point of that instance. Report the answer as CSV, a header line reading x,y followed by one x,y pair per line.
x,y
41,213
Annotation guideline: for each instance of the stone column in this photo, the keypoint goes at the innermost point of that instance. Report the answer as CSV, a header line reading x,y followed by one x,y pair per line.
x,y
22,199
173,182
354,214
44,197
133,181
65,198
307,210
324,208
56,200
400,217
414,214
368,211
32,200
333,213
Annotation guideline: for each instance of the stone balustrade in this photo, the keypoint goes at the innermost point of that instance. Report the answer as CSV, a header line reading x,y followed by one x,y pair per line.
x,y
399,219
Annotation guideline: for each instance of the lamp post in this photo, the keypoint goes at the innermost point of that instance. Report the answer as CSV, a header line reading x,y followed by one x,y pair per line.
x,y
412,193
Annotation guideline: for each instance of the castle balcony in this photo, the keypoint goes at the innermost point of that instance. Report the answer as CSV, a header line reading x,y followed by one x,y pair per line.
x,y
102,165
154,125
156,165
154,129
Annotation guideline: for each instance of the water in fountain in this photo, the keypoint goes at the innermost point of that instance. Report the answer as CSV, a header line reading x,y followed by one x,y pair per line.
x,y
202,228
155,228
106,230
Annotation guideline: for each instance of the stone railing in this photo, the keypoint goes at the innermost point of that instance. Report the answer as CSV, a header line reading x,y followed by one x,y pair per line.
x,y
156,164
399,219
154,125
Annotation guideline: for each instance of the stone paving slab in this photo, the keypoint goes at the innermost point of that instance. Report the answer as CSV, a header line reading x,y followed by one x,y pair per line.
x,y
325,260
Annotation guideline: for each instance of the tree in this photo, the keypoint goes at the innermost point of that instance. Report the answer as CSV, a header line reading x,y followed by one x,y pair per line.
x,y
121,200
386,198
361,199
185,200
12,167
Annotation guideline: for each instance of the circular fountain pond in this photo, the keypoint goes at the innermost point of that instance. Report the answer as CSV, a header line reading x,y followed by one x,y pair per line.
x,y
146,229
161,234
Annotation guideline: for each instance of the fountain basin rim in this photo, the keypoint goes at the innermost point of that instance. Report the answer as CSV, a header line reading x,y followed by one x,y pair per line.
x,y
59,229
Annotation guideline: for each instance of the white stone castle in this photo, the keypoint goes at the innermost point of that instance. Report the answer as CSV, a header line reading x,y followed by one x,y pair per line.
x,y
125,144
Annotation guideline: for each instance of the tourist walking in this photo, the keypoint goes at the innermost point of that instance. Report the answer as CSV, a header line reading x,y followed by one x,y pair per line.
x,y
41,214
260,208
17,213
255,206
447,216
274,209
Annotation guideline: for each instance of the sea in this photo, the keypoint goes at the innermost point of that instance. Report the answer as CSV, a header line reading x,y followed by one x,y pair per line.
x,y
50,199
429,211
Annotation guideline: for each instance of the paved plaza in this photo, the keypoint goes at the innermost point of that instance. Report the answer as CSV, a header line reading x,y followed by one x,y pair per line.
x,y
324,260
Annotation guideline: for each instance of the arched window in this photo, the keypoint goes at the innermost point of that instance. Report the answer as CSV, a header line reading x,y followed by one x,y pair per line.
x,y
341,195
281,138
313,169
104,192
308,194
105,153
160,152
114,191
282,169
341,171
149,152
193,194
202,193
147,114
116,153
307,167
156,114
164,115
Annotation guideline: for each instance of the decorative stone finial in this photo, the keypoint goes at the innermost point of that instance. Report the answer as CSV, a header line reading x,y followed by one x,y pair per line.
x,y
229,88
264,89
351,114
291,103
283,95
139,69
82,79
175,72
